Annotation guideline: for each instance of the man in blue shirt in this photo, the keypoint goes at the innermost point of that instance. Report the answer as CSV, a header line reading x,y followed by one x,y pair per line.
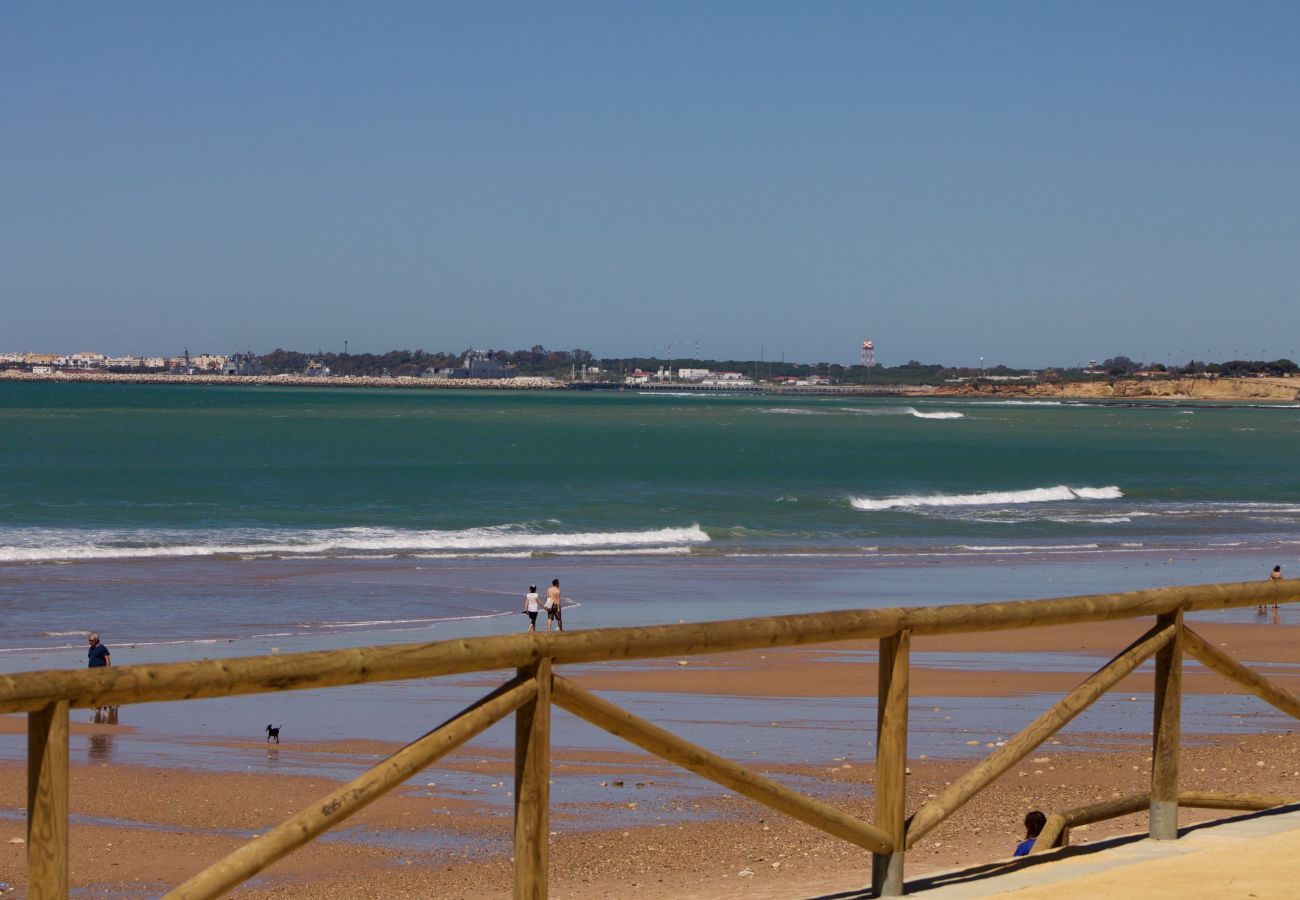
x,y
98,653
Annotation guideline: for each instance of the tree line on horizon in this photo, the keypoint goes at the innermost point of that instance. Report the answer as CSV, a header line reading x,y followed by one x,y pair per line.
x,y
539,361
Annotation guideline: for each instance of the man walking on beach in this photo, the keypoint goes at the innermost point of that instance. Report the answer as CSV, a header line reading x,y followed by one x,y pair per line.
x,y
553,605
98,653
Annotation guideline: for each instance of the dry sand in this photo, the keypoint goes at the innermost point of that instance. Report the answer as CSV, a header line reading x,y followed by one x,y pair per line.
x,y
150,828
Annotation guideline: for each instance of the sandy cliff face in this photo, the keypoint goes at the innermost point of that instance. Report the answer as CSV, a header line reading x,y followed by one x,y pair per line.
x,y
1231,389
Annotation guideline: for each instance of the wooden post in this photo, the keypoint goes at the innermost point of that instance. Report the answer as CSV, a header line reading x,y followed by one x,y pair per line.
x,y
47,802
891,762
1166,732
532,787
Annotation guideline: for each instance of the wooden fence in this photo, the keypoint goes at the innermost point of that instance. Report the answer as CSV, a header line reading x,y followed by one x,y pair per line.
x,y
48,696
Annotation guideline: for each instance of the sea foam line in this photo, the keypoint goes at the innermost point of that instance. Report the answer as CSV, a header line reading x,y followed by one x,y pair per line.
x,y
902,411
58,545
989,498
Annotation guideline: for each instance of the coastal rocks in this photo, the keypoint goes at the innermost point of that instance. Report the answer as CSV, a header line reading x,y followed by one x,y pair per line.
x,y
1224,389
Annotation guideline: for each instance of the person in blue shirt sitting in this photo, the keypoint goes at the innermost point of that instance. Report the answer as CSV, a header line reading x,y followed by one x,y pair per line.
x,y
1034,822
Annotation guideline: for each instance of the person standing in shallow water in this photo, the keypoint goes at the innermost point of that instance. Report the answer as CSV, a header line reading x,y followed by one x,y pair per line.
x,y
553,605
532,606
97,654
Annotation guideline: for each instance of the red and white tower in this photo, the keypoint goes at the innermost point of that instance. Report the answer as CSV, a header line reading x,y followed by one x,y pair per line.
x,y
868,354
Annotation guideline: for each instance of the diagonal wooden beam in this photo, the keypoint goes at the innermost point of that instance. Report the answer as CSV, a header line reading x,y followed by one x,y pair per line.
x,y
335,807
985,772
1213,658
656,740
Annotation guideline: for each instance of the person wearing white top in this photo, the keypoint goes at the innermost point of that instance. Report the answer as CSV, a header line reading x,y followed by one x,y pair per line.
x,y
532,606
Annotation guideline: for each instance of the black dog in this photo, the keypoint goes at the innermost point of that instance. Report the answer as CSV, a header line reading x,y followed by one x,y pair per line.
x,y
272,734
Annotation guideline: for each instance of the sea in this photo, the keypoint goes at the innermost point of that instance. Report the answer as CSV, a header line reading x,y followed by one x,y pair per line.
x,y
210,521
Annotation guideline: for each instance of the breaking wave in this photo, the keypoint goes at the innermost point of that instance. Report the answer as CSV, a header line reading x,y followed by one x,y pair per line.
x,y
46,544
989,498
903,411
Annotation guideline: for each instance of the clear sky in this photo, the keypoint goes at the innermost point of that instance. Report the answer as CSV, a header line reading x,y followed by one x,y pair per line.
x,y
1029,182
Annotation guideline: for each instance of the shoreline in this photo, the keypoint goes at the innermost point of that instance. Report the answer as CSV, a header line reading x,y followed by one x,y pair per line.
x,y
1232,390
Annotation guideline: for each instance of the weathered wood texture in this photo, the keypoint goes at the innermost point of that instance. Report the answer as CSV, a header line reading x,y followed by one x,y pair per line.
x,y
1213,658
1166,731
1056,831
328,668
338,805
654,739
891,761
1219,800
951,798
47,802
532,787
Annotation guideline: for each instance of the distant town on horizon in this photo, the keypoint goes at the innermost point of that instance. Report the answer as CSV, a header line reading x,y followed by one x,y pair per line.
x,y
583,366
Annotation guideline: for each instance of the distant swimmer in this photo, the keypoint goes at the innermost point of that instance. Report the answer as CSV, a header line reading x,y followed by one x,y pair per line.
x,y
532,606
553,605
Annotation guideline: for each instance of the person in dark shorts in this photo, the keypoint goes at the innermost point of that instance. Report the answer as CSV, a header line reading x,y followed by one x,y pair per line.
x,y
553,605
98,653
532,606
1034,822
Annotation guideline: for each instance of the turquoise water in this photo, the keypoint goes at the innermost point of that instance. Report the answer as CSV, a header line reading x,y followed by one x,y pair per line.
x,y
111,471
234,520
214,522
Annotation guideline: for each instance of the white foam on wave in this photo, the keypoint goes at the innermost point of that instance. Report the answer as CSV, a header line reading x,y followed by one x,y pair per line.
x,y
989,498
1026,547
61,545
902,411
1018,403
792,411
938,415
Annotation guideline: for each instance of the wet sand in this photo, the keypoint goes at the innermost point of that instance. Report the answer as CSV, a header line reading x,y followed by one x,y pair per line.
x,y
140,828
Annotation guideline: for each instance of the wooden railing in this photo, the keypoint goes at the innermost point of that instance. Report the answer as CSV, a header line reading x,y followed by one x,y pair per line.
x,y
47,697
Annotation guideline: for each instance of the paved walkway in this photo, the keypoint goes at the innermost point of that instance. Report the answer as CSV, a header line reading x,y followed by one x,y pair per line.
x,y
1253,856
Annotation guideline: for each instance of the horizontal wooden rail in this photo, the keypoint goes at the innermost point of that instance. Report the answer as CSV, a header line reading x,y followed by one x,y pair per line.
x,y
1056,832
709,765
337,806
985,772
119,685
1218,800
532,655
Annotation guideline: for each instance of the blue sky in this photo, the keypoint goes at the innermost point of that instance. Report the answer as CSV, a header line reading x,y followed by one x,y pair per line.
x,y
1032,183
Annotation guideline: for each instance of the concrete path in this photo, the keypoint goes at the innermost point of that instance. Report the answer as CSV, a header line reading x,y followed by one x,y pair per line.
x,y
1253,856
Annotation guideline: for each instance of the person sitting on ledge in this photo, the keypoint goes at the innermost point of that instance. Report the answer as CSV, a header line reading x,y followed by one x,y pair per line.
x,y
1034,822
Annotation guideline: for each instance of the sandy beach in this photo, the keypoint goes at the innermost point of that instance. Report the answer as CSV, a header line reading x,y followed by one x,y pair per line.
x,y
138,829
